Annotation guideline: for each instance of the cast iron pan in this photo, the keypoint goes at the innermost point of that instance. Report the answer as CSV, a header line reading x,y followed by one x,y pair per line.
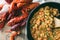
x,y
50,4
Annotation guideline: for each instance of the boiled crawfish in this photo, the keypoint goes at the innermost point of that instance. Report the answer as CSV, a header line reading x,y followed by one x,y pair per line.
x,y
24,6
24,14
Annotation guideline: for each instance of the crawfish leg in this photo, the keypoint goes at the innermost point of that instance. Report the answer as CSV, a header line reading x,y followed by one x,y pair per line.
x,y
10,15
19,5
13,7
8,1
18,19
23,1
2,20
13,34
3,17
31,6
2,25
1,6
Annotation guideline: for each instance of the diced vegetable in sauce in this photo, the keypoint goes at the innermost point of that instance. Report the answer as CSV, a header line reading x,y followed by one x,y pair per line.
x,y
42,23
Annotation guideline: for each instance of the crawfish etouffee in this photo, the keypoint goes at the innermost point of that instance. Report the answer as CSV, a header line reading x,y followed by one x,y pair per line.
x,y
42,23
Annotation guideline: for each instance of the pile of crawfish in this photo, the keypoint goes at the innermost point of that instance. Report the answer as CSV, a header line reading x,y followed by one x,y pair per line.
x,y
17,15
